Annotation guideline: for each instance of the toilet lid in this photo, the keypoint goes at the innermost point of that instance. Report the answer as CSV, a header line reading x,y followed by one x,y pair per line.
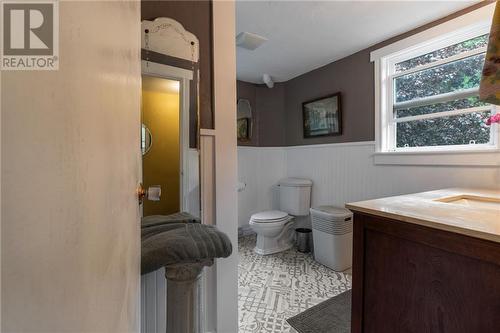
x,y
269,216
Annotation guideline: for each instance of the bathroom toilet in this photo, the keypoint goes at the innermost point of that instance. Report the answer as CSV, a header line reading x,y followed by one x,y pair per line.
x,y
274,228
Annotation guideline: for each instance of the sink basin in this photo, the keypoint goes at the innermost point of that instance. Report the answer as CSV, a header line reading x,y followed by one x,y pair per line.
x,y
472,201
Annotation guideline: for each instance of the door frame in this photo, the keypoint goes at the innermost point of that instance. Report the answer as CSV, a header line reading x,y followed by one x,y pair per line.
x,y
184,76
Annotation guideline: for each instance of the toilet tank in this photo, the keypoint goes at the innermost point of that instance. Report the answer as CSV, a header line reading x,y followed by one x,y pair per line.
x,y
295,196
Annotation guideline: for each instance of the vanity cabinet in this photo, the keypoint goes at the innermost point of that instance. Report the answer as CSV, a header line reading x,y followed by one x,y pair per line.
x,y
412,278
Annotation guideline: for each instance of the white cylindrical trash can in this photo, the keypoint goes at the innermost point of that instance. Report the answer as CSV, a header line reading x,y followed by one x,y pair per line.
x,y
332,236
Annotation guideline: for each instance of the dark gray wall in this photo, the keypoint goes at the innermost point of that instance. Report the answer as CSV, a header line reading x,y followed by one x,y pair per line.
x,y
271,110
246,90
353,77
277,112
280,110
268,113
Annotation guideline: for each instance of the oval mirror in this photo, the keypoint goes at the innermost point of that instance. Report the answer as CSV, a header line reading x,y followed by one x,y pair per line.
x,y
146,139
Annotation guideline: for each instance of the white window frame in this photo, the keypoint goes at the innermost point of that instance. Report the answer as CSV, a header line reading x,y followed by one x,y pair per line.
x,y
470,25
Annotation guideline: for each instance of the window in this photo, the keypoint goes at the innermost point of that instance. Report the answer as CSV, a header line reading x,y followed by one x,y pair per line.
x,y
428,95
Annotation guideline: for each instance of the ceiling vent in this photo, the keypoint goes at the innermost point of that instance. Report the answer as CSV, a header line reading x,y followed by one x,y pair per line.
x,y
249,41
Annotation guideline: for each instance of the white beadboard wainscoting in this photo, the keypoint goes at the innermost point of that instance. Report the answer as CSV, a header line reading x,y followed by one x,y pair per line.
x,y
342,173
154,302
259,169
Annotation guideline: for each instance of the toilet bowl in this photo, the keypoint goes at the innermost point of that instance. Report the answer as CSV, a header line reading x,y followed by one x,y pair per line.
x,y
274,227
274,231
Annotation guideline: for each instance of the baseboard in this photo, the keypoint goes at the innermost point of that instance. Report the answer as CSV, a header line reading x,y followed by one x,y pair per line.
x,y
245,230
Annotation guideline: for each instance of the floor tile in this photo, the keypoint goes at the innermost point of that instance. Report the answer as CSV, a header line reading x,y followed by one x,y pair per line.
x,y
275,287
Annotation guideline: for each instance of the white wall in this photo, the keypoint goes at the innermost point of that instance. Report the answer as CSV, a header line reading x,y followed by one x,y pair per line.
x,y
260,169
193,186
226,160
343,173
154,302
70,245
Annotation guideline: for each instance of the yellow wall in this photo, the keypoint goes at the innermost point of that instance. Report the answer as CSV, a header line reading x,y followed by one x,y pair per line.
x,y
161,165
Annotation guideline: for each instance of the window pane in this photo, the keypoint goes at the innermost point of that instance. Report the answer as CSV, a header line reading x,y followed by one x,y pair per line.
x,y
443,53
440,107
453,130
453,76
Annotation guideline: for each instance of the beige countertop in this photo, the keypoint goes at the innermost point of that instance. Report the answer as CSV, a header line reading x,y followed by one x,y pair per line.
x,y
471,212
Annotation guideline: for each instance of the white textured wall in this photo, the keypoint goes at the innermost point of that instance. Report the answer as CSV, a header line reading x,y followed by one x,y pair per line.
x,y
343,173
70,244
260,169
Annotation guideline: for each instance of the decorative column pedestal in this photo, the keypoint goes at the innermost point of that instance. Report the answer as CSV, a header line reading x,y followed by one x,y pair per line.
x,y
184,297
183,247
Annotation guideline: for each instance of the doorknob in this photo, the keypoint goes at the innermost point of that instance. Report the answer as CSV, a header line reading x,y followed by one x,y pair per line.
x,y
153,193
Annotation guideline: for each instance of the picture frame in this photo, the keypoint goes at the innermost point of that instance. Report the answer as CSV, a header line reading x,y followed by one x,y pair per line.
x,y
243,129
322,116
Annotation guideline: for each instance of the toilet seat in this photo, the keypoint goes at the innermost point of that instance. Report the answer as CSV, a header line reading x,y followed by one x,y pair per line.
x,y
271,216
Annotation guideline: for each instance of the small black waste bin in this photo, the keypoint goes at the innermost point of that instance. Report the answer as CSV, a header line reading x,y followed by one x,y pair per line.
x,y
303,239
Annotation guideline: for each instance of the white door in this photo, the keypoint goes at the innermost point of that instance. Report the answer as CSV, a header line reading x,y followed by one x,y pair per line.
x,y
70,250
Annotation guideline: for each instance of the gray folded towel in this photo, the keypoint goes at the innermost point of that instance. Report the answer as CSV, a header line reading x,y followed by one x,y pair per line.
x,y
155,224
152,220
177,243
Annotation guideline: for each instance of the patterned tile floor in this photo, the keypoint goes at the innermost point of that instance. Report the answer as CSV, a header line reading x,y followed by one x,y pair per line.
x,y
276,287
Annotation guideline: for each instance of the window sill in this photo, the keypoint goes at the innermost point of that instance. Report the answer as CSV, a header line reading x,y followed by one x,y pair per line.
x,y
488,157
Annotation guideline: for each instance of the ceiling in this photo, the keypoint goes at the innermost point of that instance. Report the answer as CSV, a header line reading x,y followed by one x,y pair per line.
x,y
304,35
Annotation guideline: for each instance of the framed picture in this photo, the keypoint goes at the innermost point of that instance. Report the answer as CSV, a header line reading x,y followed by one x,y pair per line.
x,y
242,129
322,116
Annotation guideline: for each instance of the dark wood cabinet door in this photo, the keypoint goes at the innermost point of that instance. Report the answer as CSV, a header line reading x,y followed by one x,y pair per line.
x,y
417,279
